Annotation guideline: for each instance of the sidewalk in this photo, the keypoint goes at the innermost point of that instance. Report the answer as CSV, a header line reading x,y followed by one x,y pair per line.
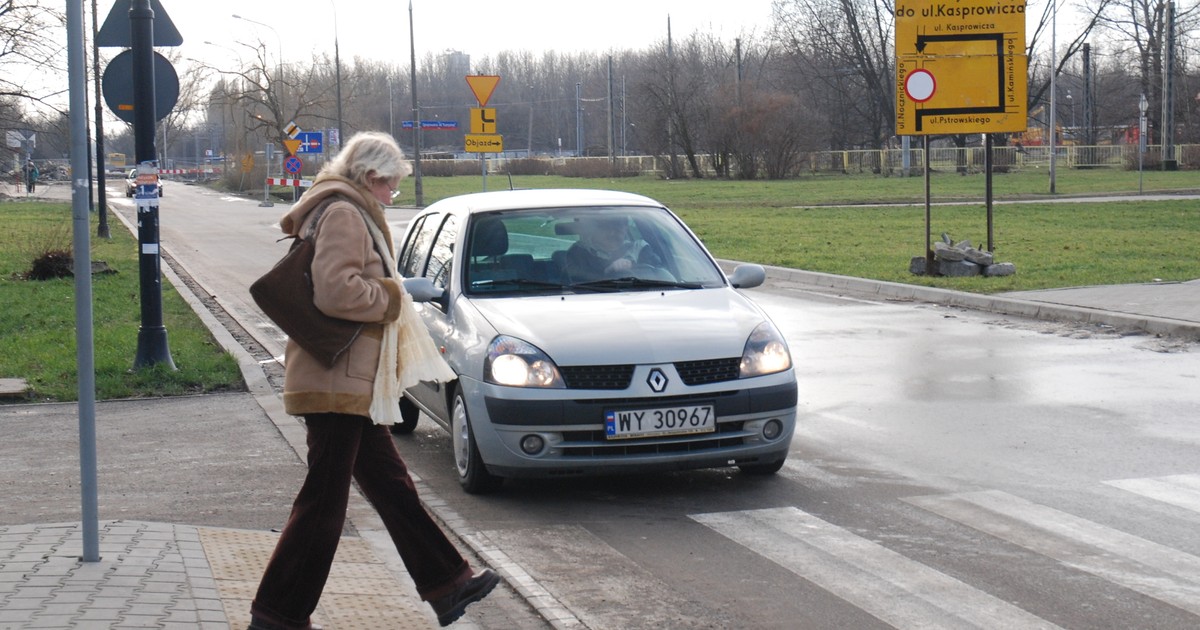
x,y
165,574
159,575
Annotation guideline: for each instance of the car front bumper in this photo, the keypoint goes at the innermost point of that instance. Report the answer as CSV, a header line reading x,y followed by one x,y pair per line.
x,y
570,423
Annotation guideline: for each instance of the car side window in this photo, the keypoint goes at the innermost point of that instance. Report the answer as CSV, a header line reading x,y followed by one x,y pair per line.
x,y
441,256
416,250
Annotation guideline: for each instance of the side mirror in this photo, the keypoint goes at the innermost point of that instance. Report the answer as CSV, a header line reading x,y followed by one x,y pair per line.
x,y
422,290
747,276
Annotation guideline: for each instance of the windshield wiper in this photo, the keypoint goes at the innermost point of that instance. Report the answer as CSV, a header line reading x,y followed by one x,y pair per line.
x,y
518,282
633,282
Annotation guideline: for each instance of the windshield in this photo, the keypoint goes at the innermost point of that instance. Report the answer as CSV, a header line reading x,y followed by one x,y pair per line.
x,y
595,249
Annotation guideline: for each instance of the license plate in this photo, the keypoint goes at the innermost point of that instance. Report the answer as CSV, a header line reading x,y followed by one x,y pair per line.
x,y
681,420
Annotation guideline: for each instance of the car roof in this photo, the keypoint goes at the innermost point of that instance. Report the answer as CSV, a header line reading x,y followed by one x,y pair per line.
x,y
540,198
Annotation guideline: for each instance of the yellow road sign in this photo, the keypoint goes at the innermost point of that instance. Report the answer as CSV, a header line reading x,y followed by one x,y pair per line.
x,y
482,85
960,67
483,120
248,163
481,143
292,146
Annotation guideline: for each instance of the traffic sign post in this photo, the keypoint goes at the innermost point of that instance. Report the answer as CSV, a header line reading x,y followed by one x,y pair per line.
x,y
483,138
960,69
310,142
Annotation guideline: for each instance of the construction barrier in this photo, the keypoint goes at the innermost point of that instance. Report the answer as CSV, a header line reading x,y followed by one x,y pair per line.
x,y
277,181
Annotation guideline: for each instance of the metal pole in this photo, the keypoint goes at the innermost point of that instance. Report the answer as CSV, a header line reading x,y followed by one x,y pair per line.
x,y
152,336
930,263
337,62
102,200
1143,105
412,69
987,166
1166,131
84,343
1053,89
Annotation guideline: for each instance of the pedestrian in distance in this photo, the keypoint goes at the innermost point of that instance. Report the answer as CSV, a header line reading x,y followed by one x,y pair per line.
x,y
31,177
353,276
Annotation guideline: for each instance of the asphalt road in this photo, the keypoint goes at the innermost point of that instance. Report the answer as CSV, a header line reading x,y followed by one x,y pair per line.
x,y
952,468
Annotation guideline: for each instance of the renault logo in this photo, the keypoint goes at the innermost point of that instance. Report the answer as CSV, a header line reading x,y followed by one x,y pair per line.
x,y
657,381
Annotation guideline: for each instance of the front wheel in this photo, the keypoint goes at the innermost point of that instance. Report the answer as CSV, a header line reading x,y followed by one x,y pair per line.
x,y
472,474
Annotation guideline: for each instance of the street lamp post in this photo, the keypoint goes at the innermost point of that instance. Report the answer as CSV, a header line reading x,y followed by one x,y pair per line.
x,y
337,64
1143,105
418,191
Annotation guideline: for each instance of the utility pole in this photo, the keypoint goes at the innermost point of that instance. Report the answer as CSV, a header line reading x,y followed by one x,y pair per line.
x,y
101,201
412,69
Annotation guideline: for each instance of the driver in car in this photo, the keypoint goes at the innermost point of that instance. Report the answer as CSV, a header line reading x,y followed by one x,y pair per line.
x,y
605,249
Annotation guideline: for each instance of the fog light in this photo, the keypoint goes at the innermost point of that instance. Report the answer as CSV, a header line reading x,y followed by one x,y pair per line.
x,y
772,429
532,444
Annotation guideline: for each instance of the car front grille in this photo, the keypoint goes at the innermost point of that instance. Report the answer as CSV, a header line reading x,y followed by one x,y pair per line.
x,y
616,377
709,371
597,376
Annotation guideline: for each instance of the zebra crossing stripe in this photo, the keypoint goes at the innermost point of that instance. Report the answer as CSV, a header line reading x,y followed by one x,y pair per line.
x,y
893,588
1155,570
1179,490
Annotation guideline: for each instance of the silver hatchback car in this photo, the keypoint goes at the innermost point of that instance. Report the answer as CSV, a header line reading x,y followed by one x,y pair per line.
x,y
591,333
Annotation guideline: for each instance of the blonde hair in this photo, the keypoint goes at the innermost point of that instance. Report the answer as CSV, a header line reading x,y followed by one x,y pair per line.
x,y
369,153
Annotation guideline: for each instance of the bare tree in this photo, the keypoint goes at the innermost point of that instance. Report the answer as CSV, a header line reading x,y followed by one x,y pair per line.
x,y
1140,26
845,47
29,52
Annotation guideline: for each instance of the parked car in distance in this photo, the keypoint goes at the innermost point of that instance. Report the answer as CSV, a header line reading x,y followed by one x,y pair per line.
x,y
569,364
131,183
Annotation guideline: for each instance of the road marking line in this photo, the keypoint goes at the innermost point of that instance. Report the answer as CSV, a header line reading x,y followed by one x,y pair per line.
x,y
1179,490
1155,570
886,584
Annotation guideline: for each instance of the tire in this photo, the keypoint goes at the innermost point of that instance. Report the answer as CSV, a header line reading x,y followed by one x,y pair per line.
x,y
761,469
472,474
409,415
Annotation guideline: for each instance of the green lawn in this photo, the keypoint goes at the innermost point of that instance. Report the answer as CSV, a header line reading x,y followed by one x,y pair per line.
x,y
37,319
838,224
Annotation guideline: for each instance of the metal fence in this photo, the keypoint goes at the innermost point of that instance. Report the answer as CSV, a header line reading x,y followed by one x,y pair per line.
x,y
1006,158
880,162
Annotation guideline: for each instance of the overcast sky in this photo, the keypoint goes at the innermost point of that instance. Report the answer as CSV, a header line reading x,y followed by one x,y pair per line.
x,y
378,29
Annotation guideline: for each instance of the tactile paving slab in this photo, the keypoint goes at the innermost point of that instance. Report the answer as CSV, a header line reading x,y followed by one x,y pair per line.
x,y
361,593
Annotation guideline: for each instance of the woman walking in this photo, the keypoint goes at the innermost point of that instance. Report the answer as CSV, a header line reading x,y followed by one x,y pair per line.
x,y
353,278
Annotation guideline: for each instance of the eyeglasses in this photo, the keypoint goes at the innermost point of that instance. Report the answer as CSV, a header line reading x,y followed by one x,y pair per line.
x,y
393,193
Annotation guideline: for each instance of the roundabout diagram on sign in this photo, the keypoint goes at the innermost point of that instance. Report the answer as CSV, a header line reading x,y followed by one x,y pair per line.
x,y
920,85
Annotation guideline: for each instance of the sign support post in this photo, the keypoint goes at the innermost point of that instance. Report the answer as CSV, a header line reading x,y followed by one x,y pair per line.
x,y
152,346
960,70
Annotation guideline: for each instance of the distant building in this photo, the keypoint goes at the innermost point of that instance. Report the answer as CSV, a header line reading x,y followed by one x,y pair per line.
x,y
457,63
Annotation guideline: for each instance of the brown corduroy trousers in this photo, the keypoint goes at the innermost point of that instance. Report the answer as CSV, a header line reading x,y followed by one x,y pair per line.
x,y
340,448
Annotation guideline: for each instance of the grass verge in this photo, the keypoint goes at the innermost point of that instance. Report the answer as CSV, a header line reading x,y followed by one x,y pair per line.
x,y
38,327
837,223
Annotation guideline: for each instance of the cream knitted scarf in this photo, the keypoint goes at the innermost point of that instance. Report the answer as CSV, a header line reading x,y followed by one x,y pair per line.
x,y
407,354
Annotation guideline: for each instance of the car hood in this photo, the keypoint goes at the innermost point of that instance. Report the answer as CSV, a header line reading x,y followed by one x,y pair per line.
x,y
628,327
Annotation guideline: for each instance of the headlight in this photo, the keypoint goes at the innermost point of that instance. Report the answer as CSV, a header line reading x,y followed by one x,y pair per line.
x,y
766,352
516,363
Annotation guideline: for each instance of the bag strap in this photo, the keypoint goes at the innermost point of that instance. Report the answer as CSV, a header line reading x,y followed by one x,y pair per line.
x,y
311,233
317,212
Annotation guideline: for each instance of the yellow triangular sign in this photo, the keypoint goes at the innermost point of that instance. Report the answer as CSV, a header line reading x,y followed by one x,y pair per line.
x,y
292,146
483,85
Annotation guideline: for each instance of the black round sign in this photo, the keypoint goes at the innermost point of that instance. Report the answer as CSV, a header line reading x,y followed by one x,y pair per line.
x,y
117,86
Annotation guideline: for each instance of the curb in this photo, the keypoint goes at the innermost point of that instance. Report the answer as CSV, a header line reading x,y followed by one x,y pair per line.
x,y
988,303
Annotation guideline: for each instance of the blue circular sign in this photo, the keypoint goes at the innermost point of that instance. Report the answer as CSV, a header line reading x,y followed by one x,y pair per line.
x,y
292,164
